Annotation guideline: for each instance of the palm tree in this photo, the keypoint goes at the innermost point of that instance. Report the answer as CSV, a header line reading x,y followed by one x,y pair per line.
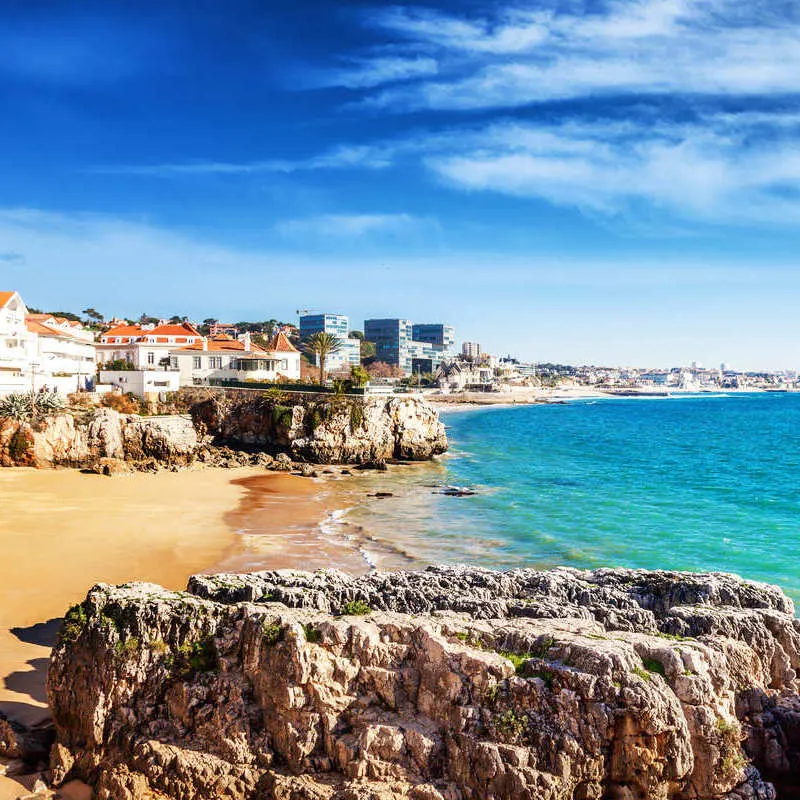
x,y
321,345
447,370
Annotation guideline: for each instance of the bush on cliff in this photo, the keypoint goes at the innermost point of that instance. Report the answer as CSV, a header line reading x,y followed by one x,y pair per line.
x,y
29,406
123,403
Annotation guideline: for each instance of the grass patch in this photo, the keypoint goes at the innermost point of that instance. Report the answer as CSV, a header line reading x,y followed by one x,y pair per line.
x,y
546,676
517,659
312,634
158,646
543,646
642,673
272,633
654,665
355,608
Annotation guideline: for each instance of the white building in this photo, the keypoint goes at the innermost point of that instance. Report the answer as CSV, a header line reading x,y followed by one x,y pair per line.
x,y
224,359
471,351
65,353
41,351
17,346
144,346
144,383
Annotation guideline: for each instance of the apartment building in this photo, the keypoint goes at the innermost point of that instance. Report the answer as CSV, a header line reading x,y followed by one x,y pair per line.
x,y
42,351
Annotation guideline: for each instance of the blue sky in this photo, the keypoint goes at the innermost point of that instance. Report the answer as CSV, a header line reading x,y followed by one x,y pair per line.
x,y
584,181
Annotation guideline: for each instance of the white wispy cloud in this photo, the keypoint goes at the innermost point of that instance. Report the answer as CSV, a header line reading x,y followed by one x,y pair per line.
x,y
340,157
351,225
368,72
514,56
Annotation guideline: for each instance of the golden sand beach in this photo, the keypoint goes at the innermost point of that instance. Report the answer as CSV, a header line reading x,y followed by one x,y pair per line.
x,y
63,531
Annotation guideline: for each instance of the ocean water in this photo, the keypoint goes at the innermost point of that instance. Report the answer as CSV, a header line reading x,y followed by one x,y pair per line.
x,y
695,483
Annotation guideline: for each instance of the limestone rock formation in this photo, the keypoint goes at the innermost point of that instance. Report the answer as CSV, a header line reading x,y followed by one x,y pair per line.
x,y
64,440
325,429
448,684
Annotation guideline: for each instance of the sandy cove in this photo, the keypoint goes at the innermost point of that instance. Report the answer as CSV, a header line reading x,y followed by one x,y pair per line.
x,y
63,531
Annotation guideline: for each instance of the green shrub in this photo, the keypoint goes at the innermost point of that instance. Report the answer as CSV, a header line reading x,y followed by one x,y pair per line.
x,y
311,633
272,632
194,657
356,416
127,647
282,416
75,621
511,726
353,608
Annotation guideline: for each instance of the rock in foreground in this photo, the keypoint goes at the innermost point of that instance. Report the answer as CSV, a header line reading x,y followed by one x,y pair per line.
x,y
447,684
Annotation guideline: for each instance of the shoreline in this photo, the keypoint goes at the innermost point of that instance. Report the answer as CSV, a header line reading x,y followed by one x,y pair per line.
x,y
65,531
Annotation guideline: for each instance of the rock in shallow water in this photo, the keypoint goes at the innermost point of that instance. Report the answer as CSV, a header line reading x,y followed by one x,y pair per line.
x,y
455,683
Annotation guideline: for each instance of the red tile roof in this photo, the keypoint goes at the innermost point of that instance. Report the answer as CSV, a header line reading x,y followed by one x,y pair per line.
x,y
281,344
218,345
33,324
184,329
124,330
5,297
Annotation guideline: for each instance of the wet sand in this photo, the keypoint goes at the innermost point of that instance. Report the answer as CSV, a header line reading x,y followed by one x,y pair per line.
x,y
63,531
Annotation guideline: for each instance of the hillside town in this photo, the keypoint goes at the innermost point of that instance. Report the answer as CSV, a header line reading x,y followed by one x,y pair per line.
x,y
65,353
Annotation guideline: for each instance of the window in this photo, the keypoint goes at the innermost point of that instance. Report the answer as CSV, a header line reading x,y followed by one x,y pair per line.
x,y
173,362
197,362
151,358
215,362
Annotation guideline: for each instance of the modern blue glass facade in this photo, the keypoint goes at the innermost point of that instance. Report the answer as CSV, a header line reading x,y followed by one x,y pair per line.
x,y
434,333
398,342
337,325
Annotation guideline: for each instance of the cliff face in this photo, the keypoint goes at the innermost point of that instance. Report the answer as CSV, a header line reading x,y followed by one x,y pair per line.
x,y
103,434
455,684
326,430
331,430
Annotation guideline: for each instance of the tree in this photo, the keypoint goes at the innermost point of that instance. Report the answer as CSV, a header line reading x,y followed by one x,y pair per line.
x,y
321,345
93,314
380,369
368,350
358,376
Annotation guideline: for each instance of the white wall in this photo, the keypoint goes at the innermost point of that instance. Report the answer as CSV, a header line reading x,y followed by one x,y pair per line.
x,y
142,382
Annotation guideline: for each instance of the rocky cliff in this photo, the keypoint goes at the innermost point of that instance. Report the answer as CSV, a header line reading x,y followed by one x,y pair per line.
x,y
101,436
325,429
332,430
448,684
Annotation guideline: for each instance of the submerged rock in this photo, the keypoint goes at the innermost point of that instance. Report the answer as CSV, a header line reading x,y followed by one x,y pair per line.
x,y
447,684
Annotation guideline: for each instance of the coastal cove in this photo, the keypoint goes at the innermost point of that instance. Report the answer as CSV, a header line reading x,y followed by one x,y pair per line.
x,y
693,483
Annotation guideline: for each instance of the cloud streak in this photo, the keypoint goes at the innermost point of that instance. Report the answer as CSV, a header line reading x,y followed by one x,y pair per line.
x,y
515,56
348,226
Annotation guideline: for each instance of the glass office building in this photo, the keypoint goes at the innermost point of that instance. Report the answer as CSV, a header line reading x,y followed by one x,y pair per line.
x,y
337,325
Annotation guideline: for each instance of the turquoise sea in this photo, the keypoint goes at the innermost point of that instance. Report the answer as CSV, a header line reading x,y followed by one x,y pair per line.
x,y
696,483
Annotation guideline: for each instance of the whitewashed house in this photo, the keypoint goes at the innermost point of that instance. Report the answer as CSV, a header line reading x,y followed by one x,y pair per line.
x,y
17,346
64,351
224,359
144,346
42,351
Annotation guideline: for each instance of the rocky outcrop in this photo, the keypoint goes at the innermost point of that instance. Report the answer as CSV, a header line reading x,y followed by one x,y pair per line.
x,y
99,437
325,429
447,684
